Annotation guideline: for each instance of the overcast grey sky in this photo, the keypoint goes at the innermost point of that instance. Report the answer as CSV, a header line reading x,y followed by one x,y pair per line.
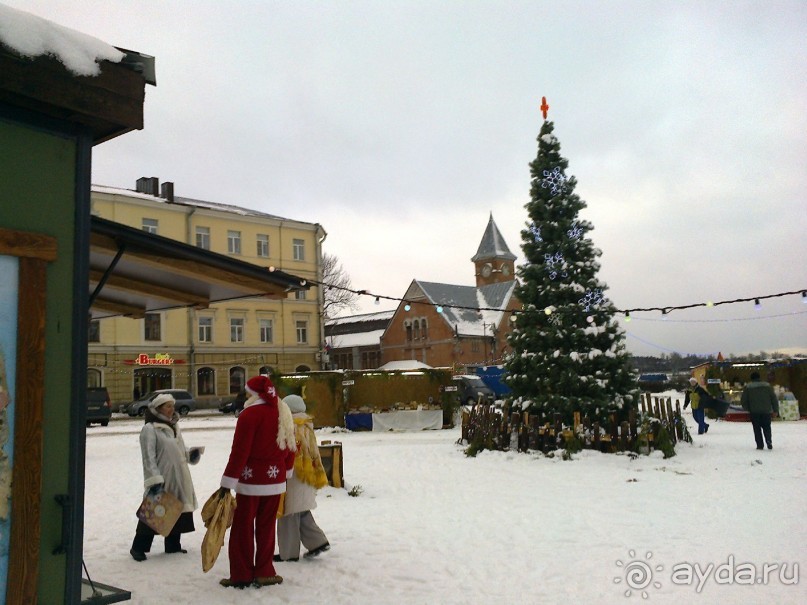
x,y
400,126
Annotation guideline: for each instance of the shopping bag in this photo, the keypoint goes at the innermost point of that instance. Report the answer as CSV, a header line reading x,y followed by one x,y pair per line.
x,y
160,512
217,515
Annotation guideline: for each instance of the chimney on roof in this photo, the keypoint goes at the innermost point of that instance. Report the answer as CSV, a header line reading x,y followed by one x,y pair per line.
x,y
148,185
167,191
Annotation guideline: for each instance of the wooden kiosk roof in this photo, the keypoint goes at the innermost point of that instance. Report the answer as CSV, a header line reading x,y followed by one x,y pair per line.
x,y
133,272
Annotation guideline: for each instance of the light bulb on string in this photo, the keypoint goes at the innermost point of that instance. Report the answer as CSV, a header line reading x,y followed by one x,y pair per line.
x,y
804,297
407,307
627,316
757,304
439,309
664,314
377,300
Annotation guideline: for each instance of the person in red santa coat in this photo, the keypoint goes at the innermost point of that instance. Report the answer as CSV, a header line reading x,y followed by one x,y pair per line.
x,y
261,459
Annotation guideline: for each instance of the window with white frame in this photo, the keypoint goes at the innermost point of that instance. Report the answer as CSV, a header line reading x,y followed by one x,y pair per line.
x,y
234,242
205,329
236,329
267,327
203,238
301,327
299,295
263,245
298,249
149,225
151,327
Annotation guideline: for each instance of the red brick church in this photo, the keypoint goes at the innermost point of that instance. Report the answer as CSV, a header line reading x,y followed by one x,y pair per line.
x,y
473,334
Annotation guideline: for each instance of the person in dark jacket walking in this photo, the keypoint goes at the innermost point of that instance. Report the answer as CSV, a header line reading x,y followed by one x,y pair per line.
x,y
697,396
760,401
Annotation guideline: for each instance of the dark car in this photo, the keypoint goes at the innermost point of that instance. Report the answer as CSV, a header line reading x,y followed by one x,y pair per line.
x,y
184,402
98,406
472,389
234,405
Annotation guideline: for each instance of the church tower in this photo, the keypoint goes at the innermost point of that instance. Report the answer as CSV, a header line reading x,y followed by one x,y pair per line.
x,y
493,261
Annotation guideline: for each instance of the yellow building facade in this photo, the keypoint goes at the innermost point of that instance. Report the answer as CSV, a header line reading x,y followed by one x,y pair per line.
x,y
209,351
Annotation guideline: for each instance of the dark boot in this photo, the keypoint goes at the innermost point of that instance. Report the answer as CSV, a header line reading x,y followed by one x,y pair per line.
x,y
173,545
141,545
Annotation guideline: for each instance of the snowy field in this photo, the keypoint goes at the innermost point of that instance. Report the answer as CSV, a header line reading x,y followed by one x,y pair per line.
x,y
434,526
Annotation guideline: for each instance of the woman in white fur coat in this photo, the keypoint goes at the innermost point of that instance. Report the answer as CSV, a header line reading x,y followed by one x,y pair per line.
x,y
165,468
297,523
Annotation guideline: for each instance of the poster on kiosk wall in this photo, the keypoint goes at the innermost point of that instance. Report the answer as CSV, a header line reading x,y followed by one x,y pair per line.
x,y
9,270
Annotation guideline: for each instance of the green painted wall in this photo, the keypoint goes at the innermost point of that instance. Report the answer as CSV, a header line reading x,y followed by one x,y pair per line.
x,y
37,193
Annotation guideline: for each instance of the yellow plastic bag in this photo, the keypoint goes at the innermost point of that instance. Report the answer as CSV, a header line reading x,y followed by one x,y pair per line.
x,y
217,515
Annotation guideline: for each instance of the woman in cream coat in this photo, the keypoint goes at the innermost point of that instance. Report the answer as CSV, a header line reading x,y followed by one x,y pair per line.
x,y
165,468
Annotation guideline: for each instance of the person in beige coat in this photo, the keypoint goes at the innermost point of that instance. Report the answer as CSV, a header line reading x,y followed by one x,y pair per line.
x,y
165,468
297,525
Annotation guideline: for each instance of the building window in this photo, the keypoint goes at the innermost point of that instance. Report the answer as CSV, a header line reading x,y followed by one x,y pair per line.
x,y
299,295
236,329
423,333
205,381
417,329
149,225
151,327
237,381
234,242
94,334
203,238
301,326
205,329
267,329
263,245
408,328
94,378
475,348
298,249
266,371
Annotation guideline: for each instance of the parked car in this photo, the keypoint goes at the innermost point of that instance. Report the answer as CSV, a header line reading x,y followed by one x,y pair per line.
x,y
99,408
234,405
472,389
184,402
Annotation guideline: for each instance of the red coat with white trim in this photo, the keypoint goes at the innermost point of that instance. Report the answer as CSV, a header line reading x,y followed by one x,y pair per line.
x,y
258,465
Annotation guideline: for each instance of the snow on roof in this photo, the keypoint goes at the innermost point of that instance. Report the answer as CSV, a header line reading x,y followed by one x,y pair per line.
x,y
31,36
469,321
351,319
186,201
406,364
356,339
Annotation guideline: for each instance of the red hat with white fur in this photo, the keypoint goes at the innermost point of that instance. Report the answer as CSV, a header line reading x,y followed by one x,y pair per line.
x,y
263,387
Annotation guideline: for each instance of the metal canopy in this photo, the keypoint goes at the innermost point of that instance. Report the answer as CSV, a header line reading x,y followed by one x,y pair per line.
x,y
133,272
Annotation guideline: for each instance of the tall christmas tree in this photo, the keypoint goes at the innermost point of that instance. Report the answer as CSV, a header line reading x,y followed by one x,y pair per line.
x,y
568,350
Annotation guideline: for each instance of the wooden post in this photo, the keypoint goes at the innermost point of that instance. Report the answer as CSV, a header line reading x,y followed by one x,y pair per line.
x,y
596,437
558,430
624,437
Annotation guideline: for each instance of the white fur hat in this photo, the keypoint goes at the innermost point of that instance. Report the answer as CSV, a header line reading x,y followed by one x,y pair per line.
x,y
159,400
295,403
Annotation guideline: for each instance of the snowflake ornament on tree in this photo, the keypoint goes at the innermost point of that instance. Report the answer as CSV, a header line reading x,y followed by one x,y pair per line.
x,y
536,233
554,265
575,232
554,181
593,298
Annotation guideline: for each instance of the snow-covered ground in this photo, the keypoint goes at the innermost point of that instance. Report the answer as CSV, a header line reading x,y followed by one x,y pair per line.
x,y
434,526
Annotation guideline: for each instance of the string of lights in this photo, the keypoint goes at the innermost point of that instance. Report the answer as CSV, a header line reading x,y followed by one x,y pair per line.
x,y
666,310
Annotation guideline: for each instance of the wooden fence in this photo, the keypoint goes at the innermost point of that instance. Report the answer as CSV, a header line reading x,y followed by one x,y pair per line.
x,y
655,424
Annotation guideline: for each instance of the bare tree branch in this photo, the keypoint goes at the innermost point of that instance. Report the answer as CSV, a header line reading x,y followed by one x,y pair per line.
x,y
337,294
